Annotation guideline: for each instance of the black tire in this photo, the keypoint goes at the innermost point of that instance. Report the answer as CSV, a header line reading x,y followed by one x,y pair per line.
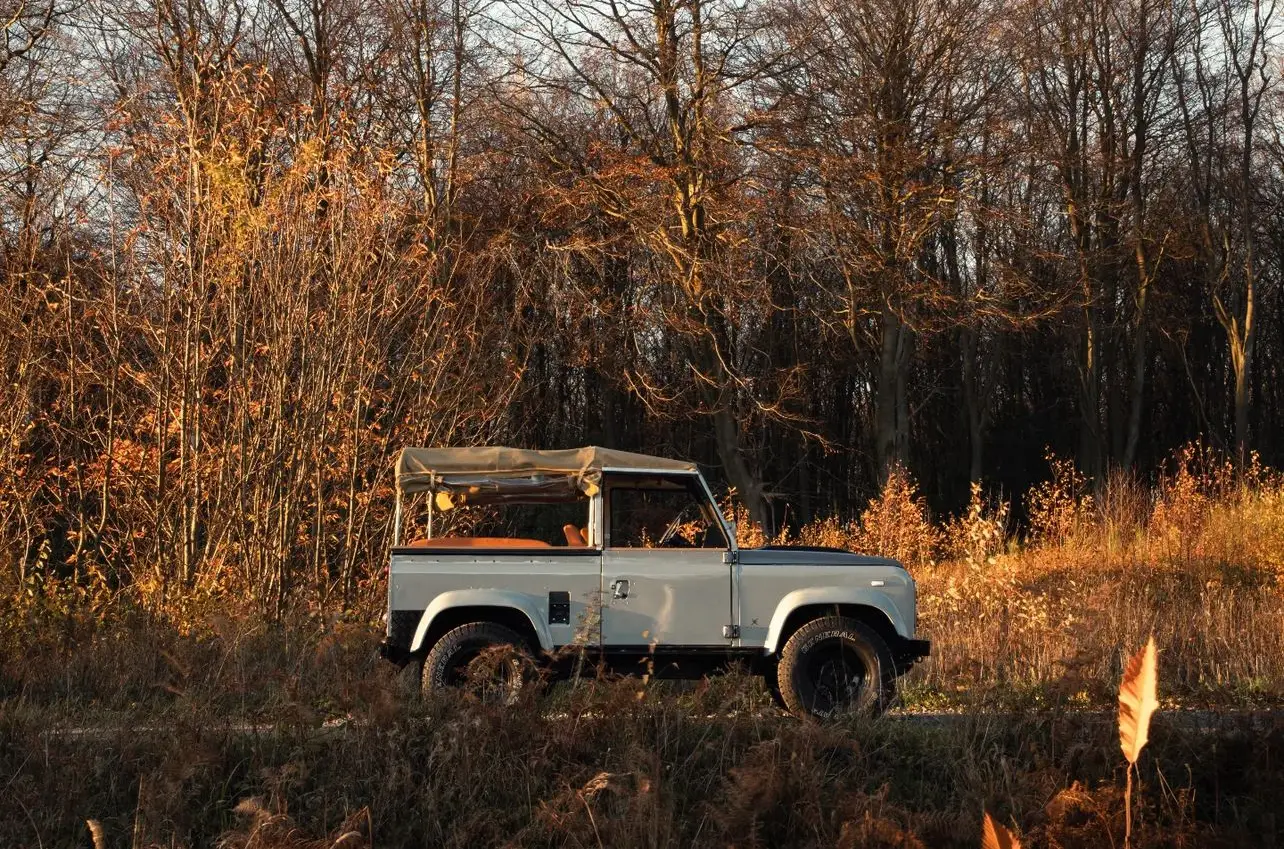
x,y
835,665
484,659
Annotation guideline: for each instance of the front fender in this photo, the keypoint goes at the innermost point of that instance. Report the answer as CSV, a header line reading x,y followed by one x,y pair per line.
x,y
863,596
523,602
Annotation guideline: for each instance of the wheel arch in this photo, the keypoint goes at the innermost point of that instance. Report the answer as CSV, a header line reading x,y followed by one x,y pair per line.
x,y
512,610
800,607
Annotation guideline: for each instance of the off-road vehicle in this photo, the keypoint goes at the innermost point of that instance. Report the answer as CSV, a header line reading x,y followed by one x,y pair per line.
x,y
625,560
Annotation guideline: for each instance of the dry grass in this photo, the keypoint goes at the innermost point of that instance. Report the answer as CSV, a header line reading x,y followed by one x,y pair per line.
x,y
1037,621
1025,630
622,764
1041,620
610,769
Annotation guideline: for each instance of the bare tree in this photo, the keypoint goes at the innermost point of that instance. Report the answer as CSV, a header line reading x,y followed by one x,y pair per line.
x,y
892,90
665,78
1223,82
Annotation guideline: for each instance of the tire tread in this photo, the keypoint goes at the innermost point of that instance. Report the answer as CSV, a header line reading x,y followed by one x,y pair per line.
x,y
436,663
792,655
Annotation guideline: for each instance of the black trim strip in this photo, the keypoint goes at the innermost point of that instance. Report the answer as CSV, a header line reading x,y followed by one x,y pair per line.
x,y
908,652
918,648
683,651
392,652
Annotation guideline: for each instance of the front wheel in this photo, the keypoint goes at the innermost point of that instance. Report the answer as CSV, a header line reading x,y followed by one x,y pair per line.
x,y
836,665
483,659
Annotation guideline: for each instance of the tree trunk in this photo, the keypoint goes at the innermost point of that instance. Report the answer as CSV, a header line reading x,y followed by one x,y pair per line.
x,y
746,480
891,413
972,409
1136,395
1242,363
1090,401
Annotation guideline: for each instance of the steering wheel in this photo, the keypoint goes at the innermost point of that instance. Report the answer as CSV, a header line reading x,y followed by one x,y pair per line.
x,y
670,538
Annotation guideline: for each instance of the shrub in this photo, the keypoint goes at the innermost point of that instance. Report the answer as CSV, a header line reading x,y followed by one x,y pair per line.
x,y
897,523
1061,508
981,533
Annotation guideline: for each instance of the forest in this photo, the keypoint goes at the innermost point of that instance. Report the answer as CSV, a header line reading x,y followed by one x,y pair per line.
x,y
992,287
250,249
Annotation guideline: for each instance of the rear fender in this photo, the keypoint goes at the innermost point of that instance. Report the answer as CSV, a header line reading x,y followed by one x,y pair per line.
x,y
522,602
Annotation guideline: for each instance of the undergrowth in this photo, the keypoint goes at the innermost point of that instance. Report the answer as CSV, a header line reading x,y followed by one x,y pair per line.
x,y
202,723
1033,620
610,769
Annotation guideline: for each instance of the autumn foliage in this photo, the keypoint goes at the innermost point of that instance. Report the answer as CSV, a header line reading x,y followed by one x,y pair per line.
x,y
993,288
248,251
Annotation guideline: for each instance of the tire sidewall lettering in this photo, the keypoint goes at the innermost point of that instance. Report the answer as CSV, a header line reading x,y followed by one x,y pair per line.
x,y
806,648
836,635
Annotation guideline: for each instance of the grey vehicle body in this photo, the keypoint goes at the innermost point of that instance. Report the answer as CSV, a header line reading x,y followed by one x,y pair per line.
x,y
690,608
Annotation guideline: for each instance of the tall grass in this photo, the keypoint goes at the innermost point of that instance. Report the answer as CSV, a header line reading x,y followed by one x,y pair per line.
x,y
610,769
1033,617
1042,617
184,727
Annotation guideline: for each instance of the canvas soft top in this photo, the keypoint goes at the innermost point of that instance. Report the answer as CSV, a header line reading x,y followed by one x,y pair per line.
x,y
426,469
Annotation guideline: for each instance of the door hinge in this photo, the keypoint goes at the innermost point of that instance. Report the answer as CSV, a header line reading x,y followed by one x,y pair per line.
x,y
731,632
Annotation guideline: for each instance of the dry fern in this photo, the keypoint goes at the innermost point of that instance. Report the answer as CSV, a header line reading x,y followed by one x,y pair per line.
x,y
272,830
1137,701
995,836
96,832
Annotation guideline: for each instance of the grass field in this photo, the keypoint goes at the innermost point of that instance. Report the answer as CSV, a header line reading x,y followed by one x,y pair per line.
x,y
618,771
138,719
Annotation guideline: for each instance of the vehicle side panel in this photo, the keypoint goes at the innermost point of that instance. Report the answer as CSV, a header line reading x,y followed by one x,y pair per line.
x,y
677,597
771,584
427,581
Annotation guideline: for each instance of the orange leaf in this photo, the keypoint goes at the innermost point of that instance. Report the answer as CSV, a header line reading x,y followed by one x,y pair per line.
x,y
1137,701
995,836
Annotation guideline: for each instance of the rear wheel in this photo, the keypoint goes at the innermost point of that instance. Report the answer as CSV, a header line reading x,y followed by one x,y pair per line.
x,y
485,660
836,665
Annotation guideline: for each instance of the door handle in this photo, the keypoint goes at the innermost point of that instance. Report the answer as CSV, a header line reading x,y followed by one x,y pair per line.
x,y
620,588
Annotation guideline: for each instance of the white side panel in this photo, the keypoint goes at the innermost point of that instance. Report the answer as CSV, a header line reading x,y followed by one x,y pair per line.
x,y
432,581
675,597
768,593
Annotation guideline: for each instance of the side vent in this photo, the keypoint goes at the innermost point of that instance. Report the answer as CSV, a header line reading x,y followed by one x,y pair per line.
x,y
559,608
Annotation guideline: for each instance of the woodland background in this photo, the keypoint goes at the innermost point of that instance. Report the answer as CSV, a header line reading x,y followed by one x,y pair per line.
x,y
249,250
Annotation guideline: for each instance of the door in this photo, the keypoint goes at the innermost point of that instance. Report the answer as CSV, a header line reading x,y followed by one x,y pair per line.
x,y
666,574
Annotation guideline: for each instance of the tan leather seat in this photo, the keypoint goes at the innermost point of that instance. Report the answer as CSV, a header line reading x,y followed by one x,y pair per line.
x,y
478,542
574,538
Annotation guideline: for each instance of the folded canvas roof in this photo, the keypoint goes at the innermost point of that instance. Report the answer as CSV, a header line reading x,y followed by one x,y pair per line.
x,y
420,469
